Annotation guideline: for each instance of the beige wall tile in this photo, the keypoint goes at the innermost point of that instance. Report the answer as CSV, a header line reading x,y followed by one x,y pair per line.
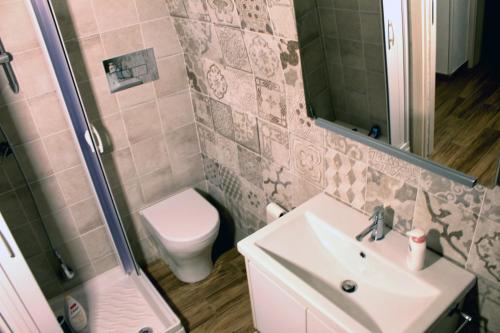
x,y
122,41
172,75
112,131
48,195
119,167
160,35
74,253
86,56
75,17
150,155
62,150
16,27
113,14
17,123
136,95
97,243
157,185
74,184
104,264
60,226
33,73
97,99
175,110
182,143
151,9
86,215
142,122
48,114
34,160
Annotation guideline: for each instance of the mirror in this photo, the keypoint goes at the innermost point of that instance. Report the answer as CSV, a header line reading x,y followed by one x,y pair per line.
x,y
358,74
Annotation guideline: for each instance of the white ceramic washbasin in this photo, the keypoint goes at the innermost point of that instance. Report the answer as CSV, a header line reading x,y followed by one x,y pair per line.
x,y
312,250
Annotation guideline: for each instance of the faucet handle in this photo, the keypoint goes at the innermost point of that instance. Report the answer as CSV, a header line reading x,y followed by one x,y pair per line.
x,y
377,211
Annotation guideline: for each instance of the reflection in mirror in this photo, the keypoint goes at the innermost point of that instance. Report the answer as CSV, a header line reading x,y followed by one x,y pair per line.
x,y
467,104
343,63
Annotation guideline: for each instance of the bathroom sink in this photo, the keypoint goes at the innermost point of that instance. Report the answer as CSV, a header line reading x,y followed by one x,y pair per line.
x,y
312,250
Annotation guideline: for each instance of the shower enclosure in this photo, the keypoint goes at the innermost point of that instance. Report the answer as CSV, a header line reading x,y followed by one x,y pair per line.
x,y
89,234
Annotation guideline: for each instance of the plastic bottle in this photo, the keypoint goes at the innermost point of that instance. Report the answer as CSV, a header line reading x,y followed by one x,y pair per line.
x,y
416,249
75,314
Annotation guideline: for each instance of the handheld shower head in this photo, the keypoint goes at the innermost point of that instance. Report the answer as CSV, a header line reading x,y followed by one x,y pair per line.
x,y
66,272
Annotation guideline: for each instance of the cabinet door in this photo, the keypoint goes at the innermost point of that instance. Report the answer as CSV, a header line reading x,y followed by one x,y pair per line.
x,y
317,325
275,311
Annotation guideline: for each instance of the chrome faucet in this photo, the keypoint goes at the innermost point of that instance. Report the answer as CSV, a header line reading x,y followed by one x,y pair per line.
x,y
376,228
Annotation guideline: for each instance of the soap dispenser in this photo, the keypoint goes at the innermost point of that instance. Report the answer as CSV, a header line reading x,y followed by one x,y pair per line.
x,y
416,249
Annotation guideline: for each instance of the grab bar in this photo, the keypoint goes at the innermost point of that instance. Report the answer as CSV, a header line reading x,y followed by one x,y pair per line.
x,y
5,59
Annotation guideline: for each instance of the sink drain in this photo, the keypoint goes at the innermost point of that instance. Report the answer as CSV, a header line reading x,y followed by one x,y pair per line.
x,y
349,286
146,330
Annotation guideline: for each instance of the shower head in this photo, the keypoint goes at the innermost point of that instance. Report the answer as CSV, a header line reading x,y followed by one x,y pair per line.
x,y
66,272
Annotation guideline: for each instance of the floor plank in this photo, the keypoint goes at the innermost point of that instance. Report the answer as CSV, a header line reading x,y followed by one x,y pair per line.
x,y
220,303
467,123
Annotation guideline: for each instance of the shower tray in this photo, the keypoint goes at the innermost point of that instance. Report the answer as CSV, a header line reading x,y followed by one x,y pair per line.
x,y
119,303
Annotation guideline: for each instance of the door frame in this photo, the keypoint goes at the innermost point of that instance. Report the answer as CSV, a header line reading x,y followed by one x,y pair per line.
x,y
422,33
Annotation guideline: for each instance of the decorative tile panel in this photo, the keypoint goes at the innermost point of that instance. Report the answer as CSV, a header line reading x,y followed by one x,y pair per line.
x,y
274,143
211,168
282,20
177,8
449,228
253,199
223,118
202,111
491,205
223,12
197,10
264,55
231,184
307,161
277,181
484,257
207,141
227,153
250,166
353,149
254,16
397,197
446,189
271,102
345,178
195,73
245,130
233,48
198,38
393,166
489,303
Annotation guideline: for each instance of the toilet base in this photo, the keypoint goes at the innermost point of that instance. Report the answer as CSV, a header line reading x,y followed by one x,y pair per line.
x,y
191,269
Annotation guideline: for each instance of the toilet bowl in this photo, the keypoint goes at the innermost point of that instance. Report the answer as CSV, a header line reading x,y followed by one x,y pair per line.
x,y
185,227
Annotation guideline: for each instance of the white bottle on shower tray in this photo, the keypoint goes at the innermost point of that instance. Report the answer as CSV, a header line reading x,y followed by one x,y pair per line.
x,y
75,314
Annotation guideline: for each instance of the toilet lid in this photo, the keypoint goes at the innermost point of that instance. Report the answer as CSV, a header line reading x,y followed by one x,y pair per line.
x,y
185,216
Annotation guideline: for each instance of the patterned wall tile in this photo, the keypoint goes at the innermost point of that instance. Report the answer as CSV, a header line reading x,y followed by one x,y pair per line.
x,y
484,257
307,161
345,178
198,38
303,190
202,110
197,10
223,118
393,166
489,303
207,141
397,197
211,168
231,184
216,194
277,181
223,12
233,48
449,228
250,166
227,153
264,55
254,16
282,20
271,102
274,143
177,8
491,205
231,86
353,149
245,130
446,189
290,63
253,199
195,73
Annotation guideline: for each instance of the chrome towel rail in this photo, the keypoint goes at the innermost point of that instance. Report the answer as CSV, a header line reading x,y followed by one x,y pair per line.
x,y
5,59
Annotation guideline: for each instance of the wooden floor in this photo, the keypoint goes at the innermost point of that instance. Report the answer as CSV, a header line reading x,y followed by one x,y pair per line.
x,y
220,303
467,122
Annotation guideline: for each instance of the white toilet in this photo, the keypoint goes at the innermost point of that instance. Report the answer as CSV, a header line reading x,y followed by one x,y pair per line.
x,y
185,226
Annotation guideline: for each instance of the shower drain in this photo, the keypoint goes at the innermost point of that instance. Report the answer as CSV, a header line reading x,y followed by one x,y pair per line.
x,y
146,330
349,286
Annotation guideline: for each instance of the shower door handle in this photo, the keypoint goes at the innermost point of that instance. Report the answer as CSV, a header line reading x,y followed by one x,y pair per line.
x,y
5,59
97,137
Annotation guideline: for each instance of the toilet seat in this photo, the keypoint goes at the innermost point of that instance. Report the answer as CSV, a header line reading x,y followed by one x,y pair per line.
x,y
183,219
